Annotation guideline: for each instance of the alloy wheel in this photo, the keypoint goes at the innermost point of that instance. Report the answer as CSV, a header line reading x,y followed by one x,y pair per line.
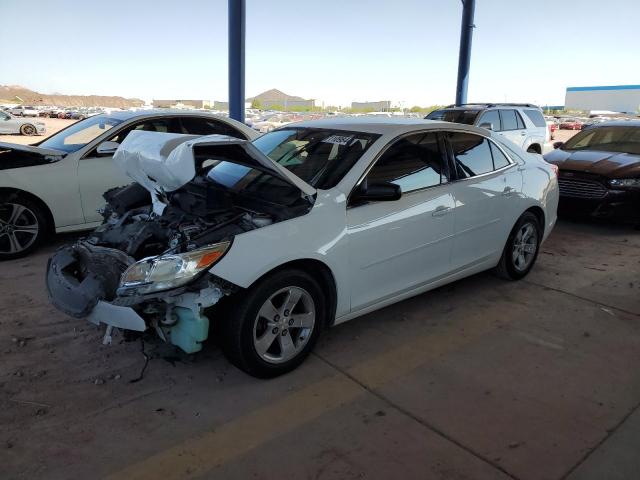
x,y
18,228
284,324
525,245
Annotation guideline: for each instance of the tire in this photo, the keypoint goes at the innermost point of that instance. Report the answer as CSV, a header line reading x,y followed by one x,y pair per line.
x,y
511,268
256,343
28,129
23,226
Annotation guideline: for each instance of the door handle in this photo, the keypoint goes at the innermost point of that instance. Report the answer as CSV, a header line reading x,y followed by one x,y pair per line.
x,y
523,133
440,211
508,191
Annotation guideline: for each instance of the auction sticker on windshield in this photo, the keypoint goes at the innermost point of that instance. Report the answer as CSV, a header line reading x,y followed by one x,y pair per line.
x,y
338,139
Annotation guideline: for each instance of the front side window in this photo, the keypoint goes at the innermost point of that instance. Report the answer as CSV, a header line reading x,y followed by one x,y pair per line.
x,y
471,153
80,134
493,118
318,156
413,163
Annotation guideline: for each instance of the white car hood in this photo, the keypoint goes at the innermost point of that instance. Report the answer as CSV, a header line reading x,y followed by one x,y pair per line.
x,y
164,162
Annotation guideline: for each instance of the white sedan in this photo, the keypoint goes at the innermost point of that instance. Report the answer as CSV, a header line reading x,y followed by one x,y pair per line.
x,y
58,184
305,227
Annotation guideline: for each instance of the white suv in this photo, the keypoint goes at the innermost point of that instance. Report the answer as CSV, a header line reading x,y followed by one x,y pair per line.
x,y
522,123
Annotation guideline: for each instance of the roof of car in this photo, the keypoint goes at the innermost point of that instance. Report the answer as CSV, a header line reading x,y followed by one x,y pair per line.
x,y
383,125
160,112
617,123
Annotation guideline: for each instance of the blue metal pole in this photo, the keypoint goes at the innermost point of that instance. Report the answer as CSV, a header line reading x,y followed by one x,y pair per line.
x,y
236,58
464,59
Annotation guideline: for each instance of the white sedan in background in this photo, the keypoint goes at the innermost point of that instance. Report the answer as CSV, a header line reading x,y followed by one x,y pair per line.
x,y
57,184
308,226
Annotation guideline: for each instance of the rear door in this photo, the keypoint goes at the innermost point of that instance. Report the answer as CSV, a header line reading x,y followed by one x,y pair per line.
x,y
395,246
485,189
6,125
513,126
97,173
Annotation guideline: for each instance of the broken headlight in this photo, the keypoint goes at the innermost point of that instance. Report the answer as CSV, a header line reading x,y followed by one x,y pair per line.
x,y
170,271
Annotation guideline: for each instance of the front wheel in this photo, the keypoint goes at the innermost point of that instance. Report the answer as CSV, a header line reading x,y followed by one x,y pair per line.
x,y
271,328
521,251
23,226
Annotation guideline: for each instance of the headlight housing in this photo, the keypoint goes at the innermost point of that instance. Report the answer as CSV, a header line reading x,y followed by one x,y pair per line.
x,y
625,182
170,271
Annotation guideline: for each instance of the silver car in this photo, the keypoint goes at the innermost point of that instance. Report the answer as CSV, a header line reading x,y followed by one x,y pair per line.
x,y
23,126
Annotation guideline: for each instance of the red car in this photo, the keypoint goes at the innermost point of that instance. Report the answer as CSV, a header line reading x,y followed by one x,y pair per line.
x,y
571,125
553,128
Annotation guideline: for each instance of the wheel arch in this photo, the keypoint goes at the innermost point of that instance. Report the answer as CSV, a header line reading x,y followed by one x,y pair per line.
x,y
539,213
321,272
8,191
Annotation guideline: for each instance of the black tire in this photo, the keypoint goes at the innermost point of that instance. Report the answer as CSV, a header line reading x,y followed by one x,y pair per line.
x,y
28,129
32,215
241,316
507,267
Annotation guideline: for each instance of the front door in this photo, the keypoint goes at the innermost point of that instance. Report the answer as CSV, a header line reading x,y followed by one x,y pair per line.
x,y
395,246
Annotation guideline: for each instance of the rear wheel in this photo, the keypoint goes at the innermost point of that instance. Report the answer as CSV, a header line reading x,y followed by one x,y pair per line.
x,y
521,251
23,225
272,328
27,129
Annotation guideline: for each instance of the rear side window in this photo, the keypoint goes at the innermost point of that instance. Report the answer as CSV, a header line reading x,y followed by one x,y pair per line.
x,y
499,158
509,120
208,126
535,116
471,153
467,117
520,121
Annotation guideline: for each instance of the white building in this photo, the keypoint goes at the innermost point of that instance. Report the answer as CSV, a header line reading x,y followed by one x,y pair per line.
x,y
616,98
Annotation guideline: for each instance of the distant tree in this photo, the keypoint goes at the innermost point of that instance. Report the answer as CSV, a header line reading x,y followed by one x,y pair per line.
x,y
257,104
277,106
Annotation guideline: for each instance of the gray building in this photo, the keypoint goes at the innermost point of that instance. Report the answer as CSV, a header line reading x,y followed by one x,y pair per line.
x,y
615,98
380,106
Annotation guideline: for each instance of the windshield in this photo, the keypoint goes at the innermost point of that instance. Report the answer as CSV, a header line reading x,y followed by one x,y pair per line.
x,y
320,157
606,139
79,134
456,116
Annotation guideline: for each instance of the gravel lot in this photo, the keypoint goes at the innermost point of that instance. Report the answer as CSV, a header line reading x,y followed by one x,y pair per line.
x,y
479,379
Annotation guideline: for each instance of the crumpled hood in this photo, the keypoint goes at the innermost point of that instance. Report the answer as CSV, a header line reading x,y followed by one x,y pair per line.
x,y
164,162
13,155
607,164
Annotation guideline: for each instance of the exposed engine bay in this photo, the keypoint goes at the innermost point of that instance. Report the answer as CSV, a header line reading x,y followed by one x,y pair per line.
x,y
147,264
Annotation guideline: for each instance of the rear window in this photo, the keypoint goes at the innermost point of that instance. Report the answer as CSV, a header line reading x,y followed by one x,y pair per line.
x,y
535,116
467,117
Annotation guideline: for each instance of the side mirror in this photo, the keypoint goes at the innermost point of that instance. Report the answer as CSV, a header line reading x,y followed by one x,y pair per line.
x,y
487,125
557,145
107,148
378,192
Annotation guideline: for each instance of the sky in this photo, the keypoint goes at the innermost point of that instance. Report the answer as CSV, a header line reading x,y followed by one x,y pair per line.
x,y
335,51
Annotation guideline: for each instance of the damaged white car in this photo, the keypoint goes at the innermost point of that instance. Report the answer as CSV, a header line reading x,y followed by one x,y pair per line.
x,y
305,227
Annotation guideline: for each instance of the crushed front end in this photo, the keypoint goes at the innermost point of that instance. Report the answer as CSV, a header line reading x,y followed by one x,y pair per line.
x,y
147,266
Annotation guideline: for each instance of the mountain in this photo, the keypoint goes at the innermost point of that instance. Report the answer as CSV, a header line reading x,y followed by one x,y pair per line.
x,y
275,96
8,94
